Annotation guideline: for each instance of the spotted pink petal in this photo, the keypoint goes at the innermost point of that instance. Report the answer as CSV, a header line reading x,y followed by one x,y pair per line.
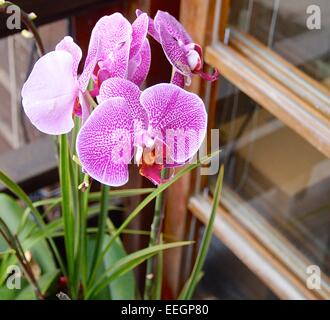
x,y
173,27
50,92
179,115
110,43
139,33
178,79
175,53
104,143
68,45
90,62
151,26
118,64
118,87
138,67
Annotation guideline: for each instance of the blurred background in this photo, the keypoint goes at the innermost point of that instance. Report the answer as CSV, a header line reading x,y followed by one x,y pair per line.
x,y
272,108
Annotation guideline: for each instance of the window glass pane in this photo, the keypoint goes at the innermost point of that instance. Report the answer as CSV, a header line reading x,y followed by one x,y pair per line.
x,y
276,183
284,26
226,277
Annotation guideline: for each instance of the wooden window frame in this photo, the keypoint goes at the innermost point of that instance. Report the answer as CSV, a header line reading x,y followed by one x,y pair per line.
x,y
272,94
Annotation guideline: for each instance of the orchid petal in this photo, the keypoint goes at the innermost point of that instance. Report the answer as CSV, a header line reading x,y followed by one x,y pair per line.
x,y
50,92
110,43
179,115
104,143
139,33
118,87
175,53
151,26
173,26
68,45
139,66
117,65
178,79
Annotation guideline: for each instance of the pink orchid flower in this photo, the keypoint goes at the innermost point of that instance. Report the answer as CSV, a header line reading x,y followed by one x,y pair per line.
x,y
185,56
163,126
118,49
53,93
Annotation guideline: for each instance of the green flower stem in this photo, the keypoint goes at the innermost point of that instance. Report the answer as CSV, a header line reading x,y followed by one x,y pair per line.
x,y
82,257
153,240
68,219
159,274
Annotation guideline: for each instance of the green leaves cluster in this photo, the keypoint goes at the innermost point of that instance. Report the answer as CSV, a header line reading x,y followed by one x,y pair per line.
x,y
96,264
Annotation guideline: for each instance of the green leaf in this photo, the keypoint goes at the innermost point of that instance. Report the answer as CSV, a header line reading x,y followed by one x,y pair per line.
x,y
6,252
124,287
129,262
6,294
105,293
95,196
45,282
18,191
196,274
12,214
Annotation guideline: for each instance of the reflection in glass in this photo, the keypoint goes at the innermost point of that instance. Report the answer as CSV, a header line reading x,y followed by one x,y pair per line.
x,y
276,184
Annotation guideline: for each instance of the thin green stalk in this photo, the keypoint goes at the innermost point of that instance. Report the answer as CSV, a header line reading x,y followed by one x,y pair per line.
x,y
66,208
153,240
81,266
101,226
78,208
195,276
95,196
157,294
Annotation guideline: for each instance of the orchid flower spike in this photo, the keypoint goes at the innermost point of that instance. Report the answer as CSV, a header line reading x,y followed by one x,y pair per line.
x,y
52,93
163,126
185,56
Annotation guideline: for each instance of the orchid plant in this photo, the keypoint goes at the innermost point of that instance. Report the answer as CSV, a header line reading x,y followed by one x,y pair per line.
x,y
105,120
